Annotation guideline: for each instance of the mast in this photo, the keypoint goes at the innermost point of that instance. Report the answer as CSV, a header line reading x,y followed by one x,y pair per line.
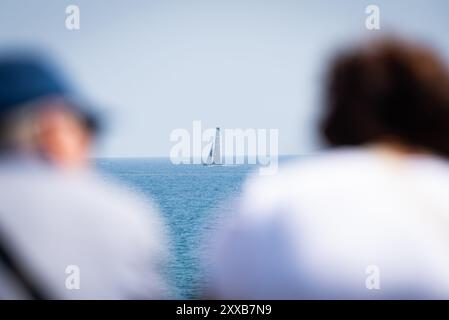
x,y
217,149
209,159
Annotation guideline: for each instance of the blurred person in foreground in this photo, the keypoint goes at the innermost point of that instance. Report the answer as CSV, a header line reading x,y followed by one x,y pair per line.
x,y
58,220
368,219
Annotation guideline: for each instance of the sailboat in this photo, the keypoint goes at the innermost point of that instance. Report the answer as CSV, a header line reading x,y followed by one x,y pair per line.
x,y
214,157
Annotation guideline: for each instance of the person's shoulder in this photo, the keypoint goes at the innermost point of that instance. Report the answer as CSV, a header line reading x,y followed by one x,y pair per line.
x,y
101,204
122,201
313,167
307,174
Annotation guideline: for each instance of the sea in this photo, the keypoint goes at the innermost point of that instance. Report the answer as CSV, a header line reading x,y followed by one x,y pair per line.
x,y
191,199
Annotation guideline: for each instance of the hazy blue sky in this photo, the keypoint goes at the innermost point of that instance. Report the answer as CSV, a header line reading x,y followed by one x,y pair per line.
x,y
158,65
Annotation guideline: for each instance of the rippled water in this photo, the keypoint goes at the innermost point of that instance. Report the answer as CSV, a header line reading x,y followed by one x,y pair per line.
x,y
189,197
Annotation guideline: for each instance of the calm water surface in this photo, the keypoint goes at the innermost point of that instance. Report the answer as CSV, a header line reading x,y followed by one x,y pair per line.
x,y
189,197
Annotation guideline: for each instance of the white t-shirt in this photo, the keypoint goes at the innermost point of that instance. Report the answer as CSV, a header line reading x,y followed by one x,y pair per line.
x,y
59,225
349,223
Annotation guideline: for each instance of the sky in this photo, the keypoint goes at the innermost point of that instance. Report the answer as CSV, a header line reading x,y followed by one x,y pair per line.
x,y
152,66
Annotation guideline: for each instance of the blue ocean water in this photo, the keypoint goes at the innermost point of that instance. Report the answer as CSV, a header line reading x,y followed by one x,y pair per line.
x,y
188,197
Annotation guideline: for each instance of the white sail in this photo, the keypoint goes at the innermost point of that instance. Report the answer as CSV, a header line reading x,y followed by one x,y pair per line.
x,y
210,157
214,157
217,149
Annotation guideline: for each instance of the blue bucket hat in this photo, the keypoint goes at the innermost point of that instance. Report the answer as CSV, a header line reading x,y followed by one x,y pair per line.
x,y
28,78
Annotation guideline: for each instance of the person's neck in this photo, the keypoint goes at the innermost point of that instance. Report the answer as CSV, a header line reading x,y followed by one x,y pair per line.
x,y
397,152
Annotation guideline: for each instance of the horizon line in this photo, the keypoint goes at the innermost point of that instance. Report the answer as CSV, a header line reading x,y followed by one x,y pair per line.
x,y
158,156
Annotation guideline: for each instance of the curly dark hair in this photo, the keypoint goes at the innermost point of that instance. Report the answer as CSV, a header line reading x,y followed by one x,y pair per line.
x,y
389,89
